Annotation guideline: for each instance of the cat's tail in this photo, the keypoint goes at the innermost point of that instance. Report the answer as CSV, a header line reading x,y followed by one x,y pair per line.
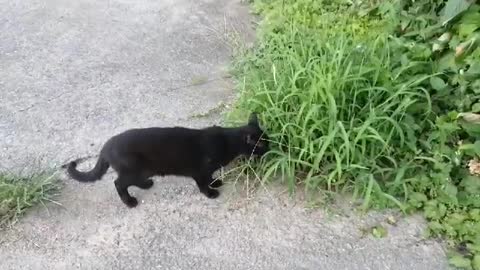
x,y
95,174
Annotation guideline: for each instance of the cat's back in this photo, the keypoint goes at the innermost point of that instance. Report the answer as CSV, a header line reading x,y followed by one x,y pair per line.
x,y
176,148
156,134
165,139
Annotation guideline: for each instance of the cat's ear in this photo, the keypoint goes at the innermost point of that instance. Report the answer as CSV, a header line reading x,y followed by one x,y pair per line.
x,y
253,119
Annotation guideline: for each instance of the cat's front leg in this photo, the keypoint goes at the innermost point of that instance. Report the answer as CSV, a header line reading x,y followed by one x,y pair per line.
x,y
203,183
216,183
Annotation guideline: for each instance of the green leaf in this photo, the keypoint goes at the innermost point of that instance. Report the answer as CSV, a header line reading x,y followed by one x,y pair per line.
x,y
476,262
475,85
452,115
476,107
448,127
453,8
469,200
459,261
435,227
469,22
473,129
474,247
455,219
454,42
434,211
472,16
471,184
437,83
404,24
451,190
471,149
417,199
473,71
465,30
475,215
447,62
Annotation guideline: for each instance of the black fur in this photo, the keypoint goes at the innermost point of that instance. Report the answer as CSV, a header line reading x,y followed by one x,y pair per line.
x,y
138,154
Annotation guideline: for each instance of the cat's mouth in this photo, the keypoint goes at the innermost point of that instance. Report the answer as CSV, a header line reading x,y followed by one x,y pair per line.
x,y
260,150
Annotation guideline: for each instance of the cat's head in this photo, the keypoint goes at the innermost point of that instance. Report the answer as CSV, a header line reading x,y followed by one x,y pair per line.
x,y
255,141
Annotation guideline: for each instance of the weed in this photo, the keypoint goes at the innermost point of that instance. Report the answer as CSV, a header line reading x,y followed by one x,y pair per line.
x,y
18,193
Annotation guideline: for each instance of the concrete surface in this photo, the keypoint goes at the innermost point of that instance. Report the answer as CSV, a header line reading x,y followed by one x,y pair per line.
x,y
73,73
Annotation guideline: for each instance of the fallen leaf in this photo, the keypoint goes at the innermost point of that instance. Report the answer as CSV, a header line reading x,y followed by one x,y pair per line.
x,y
391,220
470,117
379,231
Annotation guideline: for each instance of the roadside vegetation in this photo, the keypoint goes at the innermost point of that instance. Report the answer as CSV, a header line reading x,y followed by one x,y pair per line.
x,y
379,99
19,193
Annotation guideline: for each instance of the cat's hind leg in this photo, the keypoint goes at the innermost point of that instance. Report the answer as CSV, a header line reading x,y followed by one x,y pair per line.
x,y
121,184
130,174
143,180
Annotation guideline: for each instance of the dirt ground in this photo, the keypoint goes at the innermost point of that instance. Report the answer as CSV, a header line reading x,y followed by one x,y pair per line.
x,y
74,73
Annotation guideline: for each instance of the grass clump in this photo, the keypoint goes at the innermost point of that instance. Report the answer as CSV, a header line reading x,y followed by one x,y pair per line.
x,y
18,193
379,100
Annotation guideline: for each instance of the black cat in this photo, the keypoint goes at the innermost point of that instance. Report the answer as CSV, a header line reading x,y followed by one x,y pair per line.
x,y
138,154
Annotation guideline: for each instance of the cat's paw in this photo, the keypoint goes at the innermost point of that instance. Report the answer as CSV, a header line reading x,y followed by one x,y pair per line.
x,y
216,184
131,202
212,193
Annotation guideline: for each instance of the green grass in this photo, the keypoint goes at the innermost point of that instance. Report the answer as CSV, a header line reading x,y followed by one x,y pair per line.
x,y
329,106
18,193
354,105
